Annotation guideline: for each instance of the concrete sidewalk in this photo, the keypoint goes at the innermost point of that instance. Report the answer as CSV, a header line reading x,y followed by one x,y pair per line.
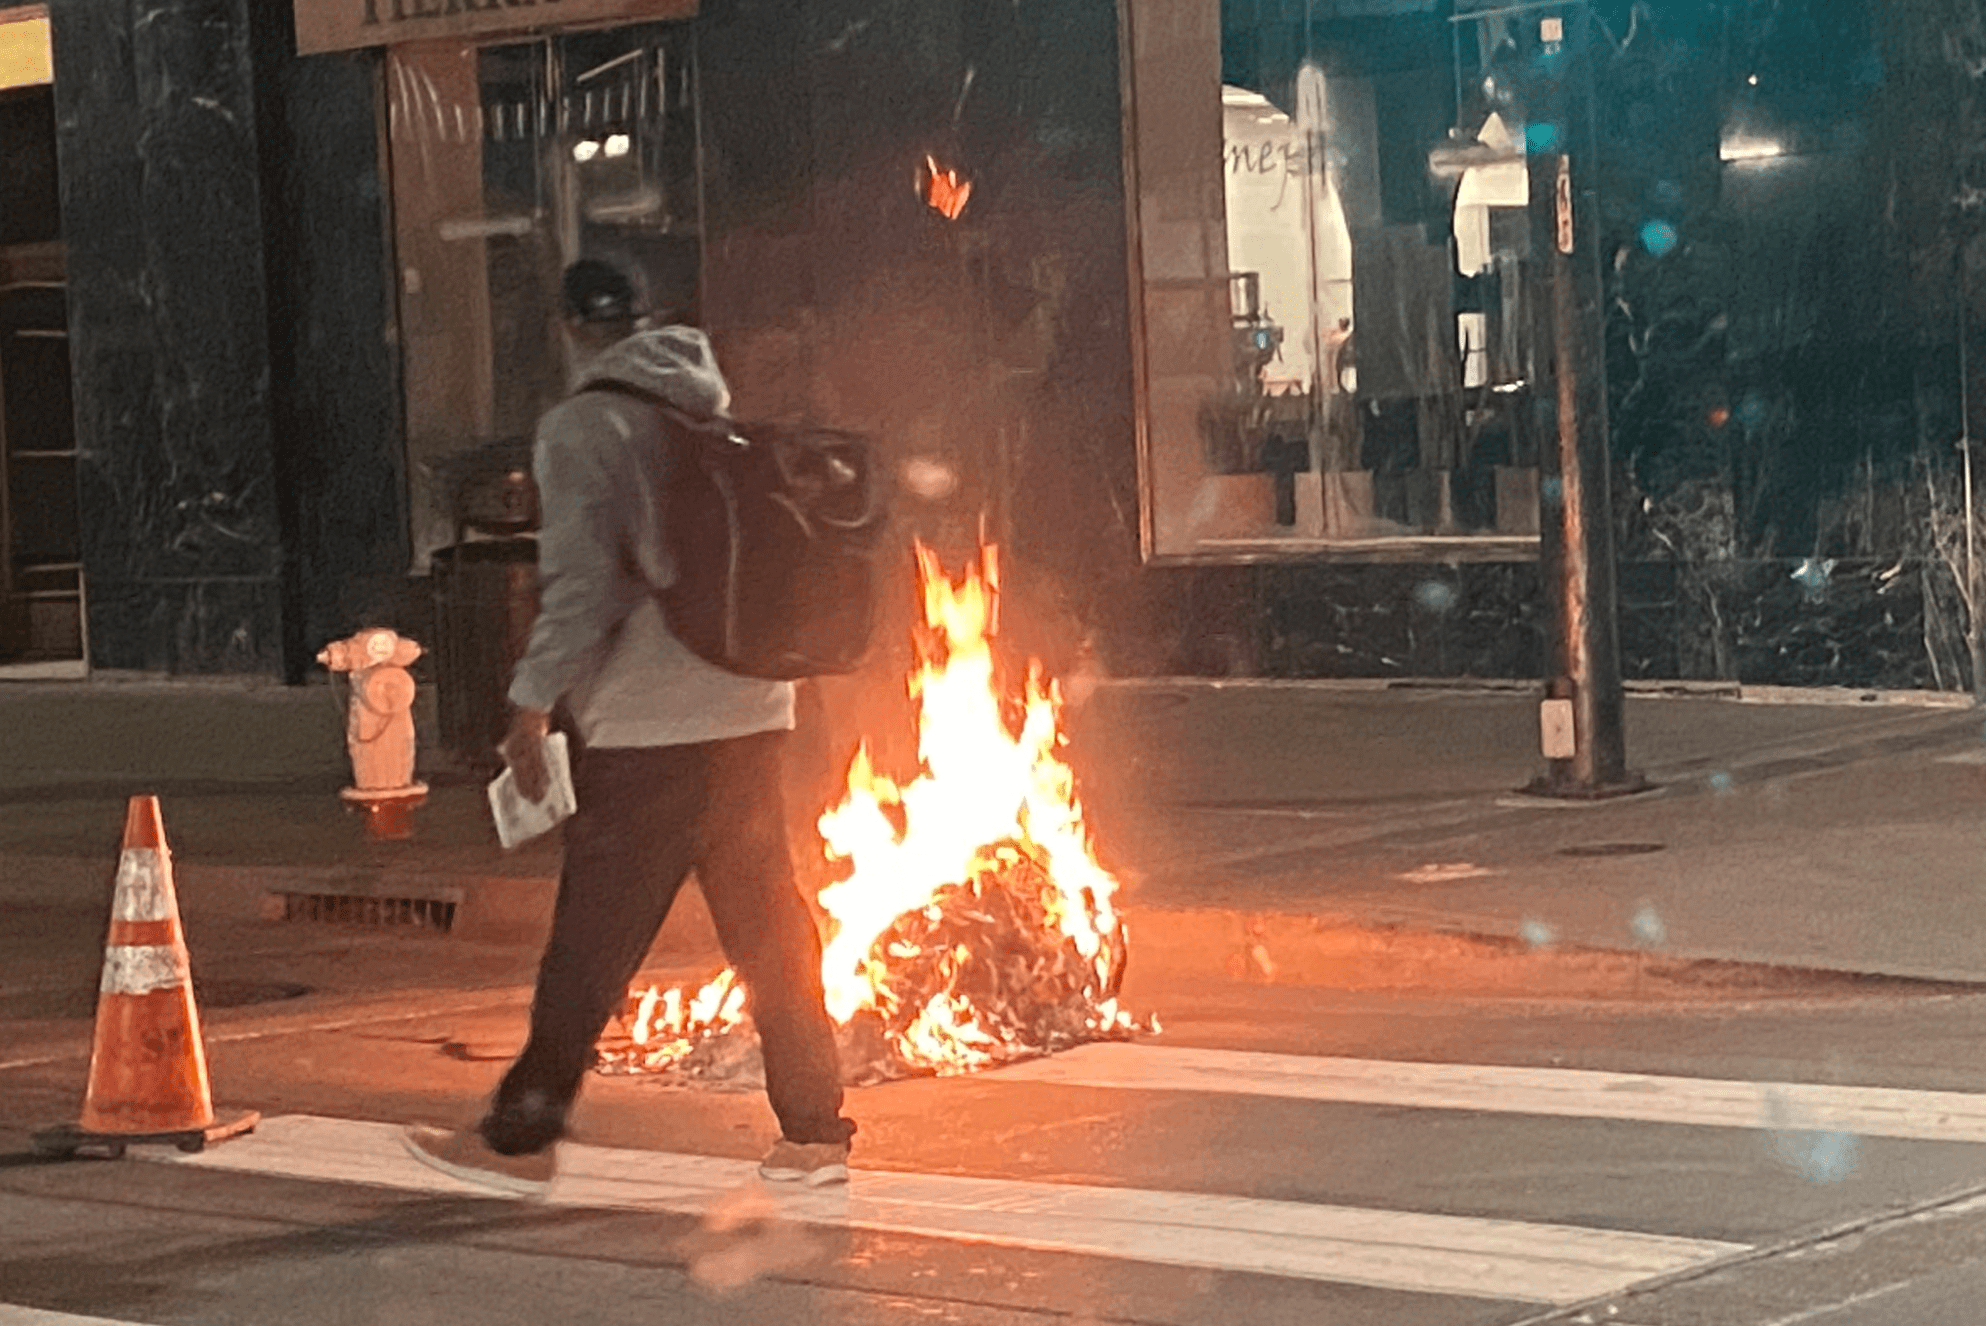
x,y
1248,821
1837,835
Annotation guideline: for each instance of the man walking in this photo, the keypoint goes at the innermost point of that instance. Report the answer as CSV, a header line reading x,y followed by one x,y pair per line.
x,y
677,766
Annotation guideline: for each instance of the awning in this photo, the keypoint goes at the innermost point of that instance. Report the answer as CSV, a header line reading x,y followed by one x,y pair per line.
x,y
340,25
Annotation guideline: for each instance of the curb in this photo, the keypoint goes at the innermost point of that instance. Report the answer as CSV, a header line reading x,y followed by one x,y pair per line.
x,y
1739,692
1369,954
1376,950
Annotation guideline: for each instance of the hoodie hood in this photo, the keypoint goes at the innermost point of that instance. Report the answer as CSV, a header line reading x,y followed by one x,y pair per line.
x,y
674,363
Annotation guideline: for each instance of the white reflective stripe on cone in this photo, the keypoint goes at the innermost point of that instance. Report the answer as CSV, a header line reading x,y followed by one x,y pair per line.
x,y
136,969
142,894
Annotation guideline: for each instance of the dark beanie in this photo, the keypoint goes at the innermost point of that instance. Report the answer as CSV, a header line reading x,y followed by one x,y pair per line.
x,y
597,292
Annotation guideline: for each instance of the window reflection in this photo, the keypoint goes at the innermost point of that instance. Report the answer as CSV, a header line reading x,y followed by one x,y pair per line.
x,y
1364,385
509,162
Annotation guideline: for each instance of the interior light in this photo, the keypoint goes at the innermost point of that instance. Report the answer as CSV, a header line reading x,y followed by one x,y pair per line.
x,y
1749,149
26,59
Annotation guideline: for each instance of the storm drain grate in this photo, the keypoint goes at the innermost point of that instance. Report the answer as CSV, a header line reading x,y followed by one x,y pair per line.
x,y
366,909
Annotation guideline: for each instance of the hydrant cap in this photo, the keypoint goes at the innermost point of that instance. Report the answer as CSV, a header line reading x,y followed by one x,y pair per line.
x,y
370,647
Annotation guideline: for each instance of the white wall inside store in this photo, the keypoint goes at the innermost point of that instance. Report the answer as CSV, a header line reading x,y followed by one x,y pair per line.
x,y
1286,222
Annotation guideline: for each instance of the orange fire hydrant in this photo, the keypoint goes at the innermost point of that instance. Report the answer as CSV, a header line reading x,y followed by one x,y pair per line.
x,y
379,728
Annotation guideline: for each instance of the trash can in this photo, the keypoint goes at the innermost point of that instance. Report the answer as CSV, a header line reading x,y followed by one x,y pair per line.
x,y
485,593
485,596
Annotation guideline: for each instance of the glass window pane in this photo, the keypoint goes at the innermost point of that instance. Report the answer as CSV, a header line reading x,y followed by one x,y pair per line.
x,y
509,163
1327,316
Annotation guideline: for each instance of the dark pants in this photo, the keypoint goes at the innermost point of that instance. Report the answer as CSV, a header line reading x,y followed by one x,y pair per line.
x,y
646,817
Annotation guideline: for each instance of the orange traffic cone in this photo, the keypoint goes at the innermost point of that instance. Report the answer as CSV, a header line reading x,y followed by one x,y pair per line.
x,y
148,1067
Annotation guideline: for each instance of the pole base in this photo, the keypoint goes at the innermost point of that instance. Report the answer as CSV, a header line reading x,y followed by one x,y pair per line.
x,y
67,1141
1566,788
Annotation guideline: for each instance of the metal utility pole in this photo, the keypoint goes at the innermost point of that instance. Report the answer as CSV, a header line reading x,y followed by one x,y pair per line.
x,y
1580,722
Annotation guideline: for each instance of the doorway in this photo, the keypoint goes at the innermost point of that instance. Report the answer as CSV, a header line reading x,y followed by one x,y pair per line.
x,y
42,619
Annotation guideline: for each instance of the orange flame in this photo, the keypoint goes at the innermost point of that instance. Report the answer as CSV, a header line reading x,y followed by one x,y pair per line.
x,y
987,795
946,192
666,1025
979,785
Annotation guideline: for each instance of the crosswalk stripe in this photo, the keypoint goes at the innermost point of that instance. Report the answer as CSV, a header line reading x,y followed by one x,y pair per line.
x,y
1505,1260
17,1316
1927,1116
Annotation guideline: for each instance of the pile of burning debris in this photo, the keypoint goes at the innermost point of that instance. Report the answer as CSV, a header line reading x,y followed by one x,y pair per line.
x,y
971,925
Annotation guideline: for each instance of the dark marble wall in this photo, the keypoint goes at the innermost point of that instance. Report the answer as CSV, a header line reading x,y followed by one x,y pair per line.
x,y
340,449
997,344
1887,624
1399,620
244,484
1059,301
162,215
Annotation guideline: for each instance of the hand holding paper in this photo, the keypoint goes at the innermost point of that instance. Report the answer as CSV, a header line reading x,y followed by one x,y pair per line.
x,y
523,749
520,818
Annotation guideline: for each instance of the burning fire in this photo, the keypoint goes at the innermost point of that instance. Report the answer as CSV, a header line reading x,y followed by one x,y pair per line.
x,y
972,923
945,191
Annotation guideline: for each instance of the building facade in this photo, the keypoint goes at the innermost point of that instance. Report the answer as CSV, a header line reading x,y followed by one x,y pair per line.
x,y
1215,313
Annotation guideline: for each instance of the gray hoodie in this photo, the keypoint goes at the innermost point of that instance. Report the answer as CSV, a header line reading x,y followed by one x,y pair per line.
x,y
600,641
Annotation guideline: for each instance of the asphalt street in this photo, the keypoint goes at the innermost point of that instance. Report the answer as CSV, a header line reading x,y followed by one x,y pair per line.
x,y
1276,1154
1374,1101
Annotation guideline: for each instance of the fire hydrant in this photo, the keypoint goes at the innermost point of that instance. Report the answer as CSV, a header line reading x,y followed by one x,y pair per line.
x,y
379,728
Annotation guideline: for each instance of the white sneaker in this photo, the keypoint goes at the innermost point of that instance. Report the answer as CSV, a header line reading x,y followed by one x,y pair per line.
x,y
812,1163
463,1154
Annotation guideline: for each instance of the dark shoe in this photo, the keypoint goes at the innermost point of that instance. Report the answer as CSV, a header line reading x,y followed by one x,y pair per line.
x,y
464,1154
812,1163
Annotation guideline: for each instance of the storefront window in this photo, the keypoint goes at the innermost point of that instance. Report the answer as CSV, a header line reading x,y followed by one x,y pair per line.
x,y
510,161
1328,347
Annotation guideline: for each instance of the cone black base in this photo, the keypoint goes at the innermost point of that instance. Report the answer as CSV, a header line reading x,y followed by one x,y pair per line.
x,y
67,1141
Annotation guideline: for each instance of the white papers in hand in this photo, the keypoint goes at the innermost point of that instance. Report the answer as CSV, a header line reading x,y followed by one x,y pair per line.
x,y
519,820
